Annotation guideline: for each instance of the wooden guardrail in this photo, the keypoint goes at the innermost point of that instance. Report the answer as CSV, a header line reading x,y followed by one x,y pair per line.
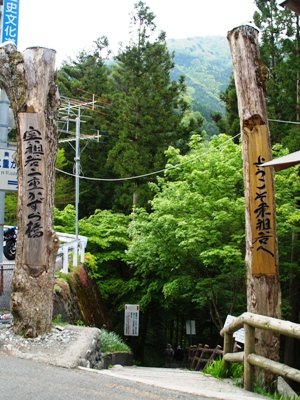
x,y
199,356
250,322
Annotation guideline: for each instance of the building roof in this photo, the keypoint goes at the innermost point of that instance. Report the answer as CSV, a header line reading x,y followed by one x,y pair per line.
x,y
284,162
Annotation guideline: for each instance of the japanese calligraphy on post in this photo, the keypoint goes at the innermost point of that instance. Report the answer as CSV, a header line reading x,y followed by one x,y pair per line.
x,y
261,203
33,188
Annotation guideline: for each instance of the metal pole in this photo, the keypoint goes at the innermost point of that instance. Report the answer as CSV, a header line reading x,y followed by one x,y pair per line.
x,y
4,106
77,172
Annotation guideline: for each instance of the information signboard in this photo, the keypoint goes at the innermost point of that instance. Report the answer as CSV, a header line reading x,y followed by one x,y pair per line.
x,y
131,321
10,21
239,336
8,171
190,327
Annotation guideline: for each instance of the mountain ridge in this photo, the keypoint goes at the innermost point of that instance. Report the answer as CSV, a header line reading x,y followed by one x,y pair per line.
x,y
205,61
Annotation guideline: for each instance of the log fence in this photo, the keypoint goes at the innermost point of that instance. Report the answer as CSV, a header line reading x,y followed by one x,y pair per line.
x,y
251,322
199,355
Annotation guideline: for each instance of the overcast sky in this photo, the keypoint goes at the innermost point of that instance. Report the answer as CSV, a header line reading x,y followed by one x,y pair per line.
x,y
69,26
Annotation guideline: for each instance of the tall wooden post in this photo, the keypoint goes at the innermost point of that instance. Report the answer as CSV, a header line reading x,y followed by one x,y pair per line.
x,y
28,80
263,287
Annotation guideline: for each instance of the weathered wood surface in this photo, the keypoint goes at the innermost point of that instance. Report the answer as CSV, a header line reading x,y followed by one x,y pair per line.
x,y
250,322
237,357
261,241
275,367
263,287
279,326
29,81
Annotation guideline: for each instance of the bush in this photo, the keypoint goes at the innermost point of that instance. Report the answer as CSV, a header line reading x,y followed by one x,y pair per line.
x,y
216,369
112,343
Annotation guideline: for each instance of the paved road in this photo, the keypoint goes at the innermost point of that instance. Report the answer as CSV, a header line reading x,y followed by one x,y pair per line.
x,y
29,380
26,379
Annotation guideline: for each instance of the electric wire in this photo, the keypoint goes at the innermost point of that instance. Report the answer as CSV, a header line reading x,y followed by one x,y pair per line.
x,y
143,175
161,170
284,122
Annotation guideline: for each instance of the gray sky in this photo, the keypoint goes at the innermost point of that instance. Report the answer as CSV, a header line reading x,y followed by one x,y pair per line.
x,y
69,26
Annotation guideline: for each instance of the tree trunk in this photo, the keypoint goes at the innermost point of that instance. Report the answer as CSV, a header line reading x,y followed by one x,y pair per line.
x,y
28,80
263,287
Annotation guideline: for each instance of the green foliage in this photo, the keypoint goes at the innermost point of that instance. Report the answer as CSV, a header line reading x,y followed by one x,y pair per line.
x,y
259,389
64,186
142,106
58,320
111,343
189,249
147,106
107,242
217,369
279,51
11,209
205,62
64,220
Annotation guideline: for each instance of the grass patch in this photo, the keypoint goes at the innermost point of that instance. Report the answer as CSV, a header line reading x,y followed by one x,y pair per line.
x,y
58,320
275,396
235,372
112,343
217,369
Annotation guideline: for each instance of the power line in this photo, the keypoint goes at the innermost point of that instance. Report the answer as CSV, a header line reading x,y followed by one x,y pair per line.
x,y
143,175
284,122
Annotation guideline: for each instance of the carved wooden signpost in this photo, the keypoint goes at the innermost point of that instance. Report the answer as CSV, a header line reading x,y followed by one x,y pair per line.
x,y
263,287
28,80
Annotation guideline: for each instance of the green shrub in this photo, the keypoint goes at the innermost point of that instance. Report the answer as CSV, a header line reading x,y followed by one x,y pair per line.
x,y
216,368
58,320
112,343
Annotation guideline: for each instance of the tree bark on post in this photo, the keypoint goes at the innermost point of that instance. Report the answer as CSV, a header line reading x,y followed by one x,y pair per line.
x,y
28,80
263,287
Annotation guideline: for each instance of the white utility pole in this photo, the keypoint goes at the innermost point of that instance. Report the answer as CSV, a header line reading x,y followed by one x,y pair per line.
x,y
77,172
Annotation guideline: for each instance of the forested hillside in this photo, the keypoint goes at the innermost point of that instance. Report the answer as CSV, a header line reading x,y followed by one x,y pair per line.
x,y
162,204
206,64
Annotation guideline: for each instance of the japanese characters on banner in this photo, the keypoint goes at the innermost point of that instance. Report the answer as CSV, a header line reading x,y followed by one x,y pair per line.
x,y
10,21
261,205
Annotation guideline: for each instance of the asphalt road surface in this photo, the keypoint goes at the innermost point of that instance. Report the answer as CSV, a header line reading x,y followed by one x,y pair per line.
x,y
22,379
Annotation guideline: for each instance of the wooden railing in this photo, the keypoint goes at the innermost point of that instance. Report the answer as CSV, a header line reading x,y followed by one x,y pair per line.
x,y
199,356
250,322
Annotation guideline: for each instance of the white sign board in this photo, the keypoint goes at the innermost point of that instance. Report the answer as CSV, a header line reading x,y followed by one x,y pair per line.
x,y
190,327
8,171
131,320
239,336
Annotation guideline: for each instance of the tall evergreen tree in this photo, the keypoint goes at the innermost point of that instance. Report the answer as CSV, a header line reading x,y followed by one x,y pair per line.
x,y
147,107
84,81
280,54
280,44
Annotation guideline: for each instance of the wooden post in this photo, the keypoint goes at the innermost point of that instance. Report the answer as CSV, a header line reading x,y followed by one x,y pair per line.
x,y
263,287
227,347
249,348
28,80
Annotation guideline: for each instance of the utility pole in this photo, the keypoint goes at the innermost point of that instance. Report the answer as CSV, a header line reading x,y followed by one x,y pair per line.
x,y
77,172
66,110
263,286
